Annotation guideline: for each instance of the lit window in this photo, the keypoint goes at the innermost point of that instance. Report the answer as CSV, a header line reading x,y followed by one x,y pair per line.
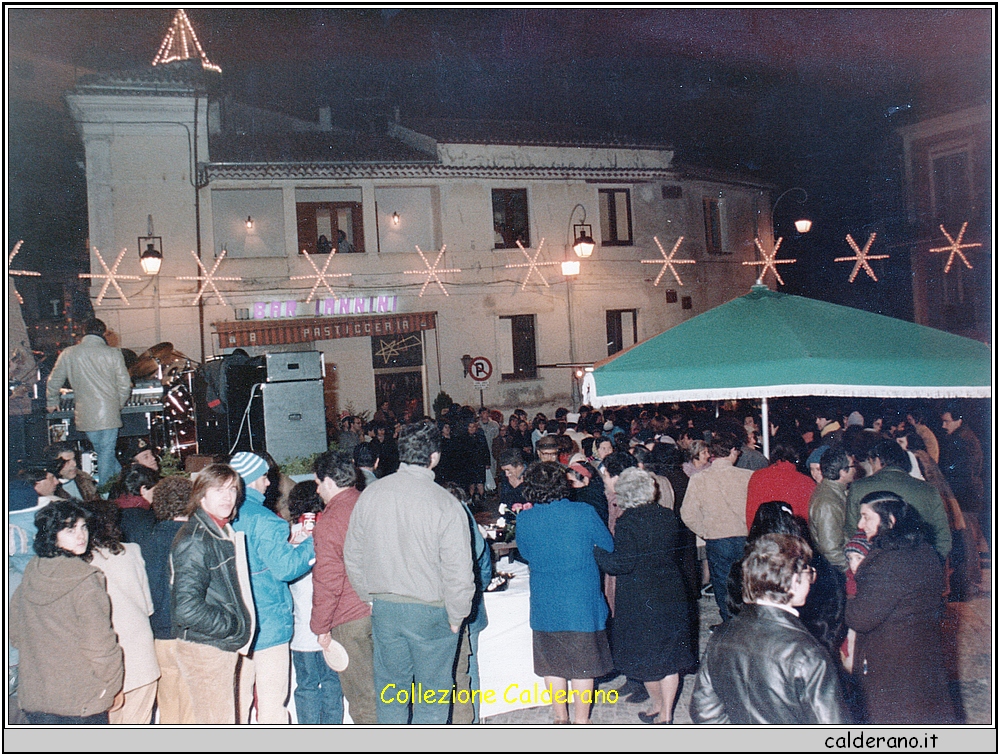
x,y
324,226
616,217
510,218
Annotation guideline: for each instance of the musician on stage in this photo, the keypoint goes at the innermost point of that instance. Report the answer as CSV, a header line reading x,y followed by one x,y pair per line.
x,y
101,387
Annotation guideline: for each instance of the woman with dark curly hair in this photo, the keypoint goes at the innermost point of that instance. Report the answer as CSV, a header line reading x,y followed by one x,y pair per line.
x,y
71,667
897,615
172,506
568,612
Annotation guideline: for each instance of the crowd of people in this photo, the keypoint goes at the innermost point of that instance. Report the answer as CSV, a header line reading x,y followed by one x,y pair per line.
x,y
191,599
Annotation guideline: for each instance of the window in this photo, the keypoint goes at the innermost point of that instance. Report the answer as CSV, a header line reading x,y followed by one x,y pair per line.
x,y
713,226
952,193
616,217
510,218
622,330
325,224
520,362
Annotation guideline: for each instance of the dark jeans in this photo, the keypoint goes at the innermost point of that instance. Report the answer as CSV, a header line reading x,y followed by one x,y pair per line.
x,y
414,645
319,698
721,554
44,718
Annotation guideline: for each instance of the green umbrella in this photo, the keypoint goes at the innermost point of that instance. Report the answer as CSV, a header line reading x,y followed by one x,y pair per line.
x,y
769,344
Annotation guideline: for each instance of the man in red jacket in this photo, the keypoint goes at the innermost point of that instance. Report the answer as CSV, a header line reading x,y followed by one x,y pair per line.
x,y
780,481
337,612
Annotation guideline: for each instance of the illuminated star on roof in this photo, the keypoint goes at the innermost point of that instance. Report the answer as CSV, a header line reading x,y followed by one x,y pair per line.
x,y
769,261
208,278
321,275
181,43
431,271
532,265
861,258
111,276
668,261
955,247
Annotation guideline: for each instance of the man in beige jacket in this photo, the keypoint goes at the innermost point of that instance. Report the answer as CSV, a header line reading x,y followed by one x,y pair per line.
x,y
101,387
407,550
714,509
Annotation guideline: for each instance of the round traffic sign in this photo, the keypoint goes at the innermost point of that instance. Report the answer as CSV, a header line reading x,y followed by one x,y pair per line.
x,y
480,369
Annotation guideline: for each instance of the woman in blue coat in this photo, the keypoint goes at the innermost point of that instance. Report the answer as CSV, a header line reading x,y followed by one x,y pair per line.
x,y
568,611
274,563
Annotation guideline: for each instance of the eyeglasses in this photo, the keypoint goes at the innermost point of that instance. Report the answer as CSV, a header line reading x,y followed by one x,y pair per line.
x,y
811,572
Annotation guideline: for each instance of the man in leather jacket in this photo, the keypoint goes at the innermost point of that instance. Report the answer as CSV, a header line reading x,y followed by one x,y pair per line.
x,y
212,612
101,387
828,507
763,666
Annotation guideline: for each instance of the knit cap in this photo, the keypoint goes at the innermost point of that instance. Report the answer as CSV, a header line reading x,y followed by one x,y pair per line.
x,y
249,466
856,418
858,544
817,453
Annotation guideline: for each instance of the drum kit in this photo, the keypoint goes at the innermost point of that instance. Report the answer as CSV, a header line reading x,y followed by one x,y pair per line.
x,y
176,372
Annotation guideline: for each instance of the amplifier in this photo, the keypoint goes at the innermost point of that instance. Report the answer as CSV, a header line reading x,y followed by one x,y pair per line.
x,y
294,366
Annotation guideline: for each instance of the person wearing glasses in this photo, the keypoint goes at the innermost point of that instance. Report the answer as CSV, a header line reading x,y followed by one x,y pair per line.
x,y
763,666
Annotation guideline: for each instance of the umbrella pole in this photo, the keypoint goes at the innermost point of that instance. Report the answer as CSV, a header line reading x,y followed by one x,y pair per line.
x,y
765,428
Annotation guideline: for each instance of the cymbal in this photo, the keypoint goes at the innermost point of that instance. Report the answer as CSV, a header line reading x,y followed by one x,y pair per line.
x,y
162,351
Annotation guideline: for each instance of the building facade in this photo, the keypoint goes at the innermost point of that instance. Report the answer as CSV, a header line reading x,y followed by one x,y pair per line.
x,y
947,161
396,251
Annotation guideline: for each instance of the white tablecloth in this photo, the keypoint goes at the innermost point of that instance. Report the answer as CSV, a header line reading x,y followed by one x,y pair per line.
x,y
505,658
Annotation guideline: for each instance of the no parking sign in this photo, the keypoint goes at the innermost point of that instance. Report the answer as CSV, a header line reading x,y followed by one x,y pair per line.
x,y
480,369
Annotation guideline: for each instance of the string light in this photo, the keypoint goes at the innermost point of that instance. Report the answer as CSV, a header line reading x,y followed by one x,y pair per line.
x,y
861,258
532,265
668,261
208,278
432,271
177,44
769,260
321,275
955,247
17,248
111,276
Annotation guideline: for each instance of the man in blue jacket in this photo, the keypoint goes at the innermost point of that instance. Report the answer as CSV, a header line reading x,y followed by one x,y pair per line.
x,y
274,563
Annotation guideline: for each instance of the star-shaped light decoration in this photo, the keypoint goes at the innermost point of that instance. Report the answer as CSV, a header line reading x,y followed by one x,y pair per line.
x,y
955,247
111,276
431,271
861,258
769,260
389,349
321,275
17,248
208,278
668,261
532,265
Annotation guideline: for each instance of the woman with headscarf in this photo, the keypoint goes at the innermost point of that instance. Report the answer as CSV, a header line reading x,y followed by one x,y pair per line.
x,y
650,639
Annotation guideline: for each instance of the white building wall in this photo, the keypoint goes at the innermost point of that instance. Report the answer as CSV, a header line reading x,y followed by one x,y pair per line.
x,y
134,170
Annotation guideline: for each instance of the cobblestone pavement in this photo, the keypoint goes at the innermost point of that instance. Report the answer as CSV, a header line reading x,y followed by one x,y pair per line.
x,y
968,636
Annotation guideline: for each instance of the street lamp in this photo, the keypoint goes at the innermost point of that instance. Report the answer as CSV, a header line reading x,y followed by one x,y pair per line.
x,y
802,225
582,238
151,258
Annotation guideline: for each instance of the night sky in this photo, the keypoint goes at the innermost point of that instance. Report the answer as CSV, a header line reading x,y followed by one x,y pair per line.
x,y
796,97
